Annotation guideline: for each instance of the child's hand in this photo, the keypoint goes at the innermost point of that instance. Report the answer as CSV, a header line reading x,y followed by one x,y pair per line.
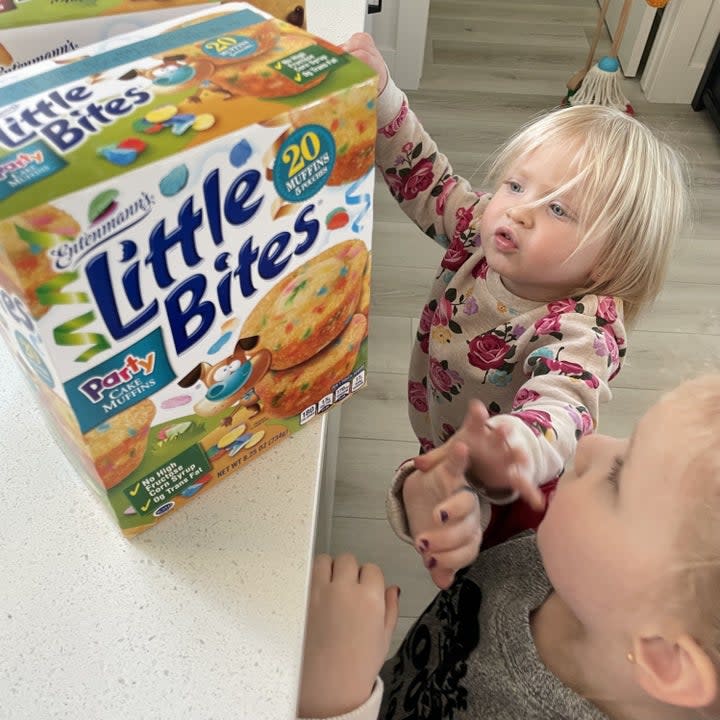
x,y
351,616
362,46
495,465
444,514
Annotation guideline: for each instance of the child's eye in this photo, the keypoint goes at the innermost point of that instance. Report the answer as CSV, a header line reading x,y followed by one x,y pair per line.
x,y
558,210
614,474
513,186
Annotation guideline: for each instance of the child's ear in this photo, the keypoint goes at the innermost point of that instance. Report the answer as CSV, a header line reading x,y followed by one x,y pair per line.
x,y
677,672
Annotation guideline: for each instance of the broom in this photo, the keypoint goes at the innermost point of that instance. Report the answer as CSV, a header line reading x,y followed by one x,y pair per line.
x,y
601,84
574,82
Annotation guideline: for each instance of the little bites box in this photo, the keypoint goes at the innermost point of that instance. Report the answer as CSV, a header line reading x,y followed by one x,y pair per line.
x,y
36,30
185,225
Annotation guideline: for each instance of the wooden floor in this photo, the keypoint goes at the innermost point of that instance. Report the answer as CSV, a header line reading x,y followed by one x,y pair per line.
x,y
490,65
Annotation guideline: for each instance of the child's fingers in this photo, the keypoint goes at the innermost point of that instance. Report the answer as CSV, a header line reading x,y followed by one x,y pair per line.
x,y
453,535
442,577
427,461
453,560
392,609
321,570
528,491
463,502
345,568
371,574
476,417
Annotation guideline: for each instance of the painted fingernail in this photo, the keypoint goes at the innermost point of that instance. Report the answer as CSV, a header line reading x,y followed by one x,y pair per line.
x,y
431,563
443,516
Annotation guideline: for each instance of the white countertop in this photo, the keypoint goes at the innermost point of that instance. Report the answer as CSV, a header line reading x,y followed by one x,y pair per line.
x,y
200,617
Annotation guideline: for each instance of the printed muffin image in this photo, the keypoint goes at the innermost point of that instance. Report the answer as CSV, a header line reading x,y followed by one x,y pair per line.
x,y
24,243
286,393
350,116
308,309
118,445
364,304
260,78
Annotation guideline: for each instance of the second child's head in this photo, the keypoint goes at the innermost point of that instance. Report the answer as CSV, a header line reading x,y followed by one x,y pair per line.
x,y
587,200
631,543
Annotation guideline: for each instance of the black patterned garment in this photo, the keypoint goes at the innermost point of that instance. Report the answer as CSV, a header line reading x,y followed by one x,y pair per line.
x,y
471,655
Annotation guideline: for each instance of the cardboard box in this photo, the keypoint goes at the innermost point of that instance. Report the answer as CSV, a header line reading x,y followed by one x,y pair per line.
x,y
35,30
185,230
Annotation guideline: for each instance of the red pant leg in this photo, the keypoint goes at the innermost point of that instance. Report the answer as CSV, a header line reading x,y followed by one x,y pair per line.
x,y
511,519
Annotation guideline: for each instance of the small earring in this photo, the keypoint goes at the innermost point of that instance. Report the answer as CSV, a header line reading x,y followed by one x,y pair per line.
x,y
630,658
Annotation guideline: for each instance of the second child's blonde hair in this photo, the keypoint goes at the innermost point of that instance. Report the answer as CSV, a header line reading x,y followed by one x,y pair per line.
x,y
631,190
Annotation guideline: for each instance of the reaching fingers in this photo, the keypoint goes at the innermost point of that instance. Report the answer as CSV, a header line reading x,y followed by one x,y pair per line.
x,y
392,609
460,505
527,490
371,574
442,577
345,568
431,459
321,570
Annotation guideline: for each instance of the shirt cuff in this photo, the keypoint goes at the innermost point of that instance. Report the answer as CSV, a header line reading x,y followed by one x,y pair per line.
x,y
389,103
369,710
395,507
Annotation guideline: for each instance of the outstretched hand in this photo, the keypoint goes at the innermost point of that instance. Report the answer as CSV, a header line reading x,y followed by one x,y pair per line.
x,y
495,465
362,46
351,617
444,514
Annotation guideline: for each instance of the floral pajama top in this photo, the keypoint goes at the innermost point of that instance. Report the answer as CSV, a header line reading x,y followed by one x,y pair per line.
x,y
540,368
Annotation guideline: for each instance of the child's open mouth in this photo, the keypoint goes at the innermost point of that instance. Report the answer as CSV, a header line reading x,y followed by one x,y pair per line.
x,y
505,240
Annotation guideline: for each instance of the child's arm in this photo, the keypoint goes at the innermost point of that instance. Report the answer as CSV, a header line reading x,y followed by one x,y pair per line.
x,y
573,358
420,178
350,620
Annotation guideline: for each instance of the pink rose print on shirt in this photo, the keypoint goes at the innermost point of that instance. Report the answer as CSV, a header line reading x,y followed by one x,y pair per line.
x,y
464,216
539,421
487,351
557,307
445,188
391,129
419,179
524,396
455,255
480,270
611,344
446,431
443,312
548,325
563,367
417,395
542,365
426,319
445,381
582,419
607,309
426,445
394,183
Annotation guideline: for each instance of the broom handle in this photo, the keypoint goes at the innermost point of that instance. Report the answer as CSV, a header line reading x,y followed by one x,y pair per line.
x,y
620,31
596,38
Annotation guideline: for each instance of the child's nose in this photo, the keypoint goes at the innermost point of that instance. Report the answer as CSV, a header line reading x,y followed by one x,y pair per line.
x,y
521,214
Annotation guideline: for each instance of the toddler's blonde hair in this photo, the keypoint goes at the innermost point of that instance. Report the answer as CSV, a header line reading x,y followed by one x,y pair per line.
x,y
632,192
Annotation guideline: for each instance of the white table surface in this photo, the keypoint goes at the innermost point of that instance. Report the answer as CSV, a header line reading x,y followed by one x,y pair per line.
x,y
200,617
